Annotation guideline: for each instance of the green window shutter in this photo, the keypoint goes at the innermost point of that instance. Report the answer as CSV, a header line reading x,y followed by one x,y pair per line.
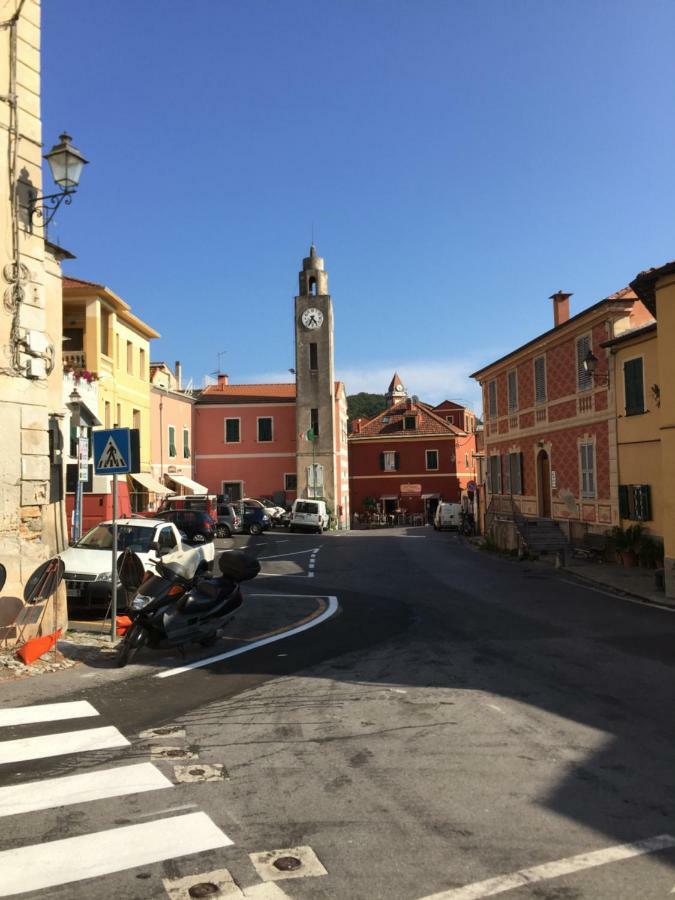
x,y
397,460
172,441
633,381
498,467
489,475
507,475
624,509
382,462
642,501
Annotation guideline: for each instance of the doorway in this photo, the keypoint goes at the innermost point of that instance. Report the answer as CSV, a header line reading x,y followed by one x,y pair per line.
x,y
430,505
544,484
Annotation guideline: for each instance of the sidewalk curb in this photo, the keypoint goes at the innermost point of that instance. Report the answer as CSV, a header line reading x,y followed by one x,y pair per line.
x,y
619,592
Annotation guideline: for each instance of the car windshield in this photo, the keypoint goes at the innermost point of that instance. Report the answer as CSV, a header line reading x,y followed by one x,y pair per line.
x,y
129,537
307,508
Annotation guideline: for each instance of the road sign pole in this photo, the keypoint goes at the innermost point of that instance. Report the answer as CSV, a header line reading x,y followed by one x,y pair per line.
x,y
113,600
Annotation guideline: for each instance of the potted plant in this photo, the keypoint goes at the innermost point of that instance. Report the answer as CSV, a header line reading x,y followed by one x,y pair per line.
x,y
634,538
618,542
650,552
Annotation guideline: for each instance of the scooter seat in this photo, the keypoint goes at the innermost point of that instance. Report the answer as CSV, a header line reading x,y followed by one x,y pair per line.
x,y
210,592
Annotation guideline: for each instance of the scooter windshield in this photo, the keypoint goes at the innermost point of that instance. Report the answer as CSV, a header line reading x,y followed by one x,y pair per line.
x,y
185,568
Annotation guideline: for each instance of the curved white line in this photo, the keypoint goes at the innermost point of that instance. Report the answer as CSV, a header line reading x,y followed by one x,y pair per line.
x,y
326,614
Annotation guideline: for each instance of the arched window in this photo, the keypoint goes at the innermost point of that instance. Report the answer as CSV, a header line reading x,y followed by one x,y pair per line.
x,y
312,286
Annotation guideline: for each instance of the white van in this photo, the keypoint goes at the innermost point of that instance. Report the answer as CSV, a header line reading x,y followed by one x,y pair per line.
x,y
448,515
310,514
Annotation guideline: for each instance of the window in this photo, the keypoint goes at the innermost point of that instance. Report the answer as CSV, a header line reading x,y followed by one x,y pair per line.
x,y
389,461
512,389
540,379
108,414
290,481
136,419
492,399
186,443
105,332
233,490
450,419
172,441
410,423
167,539
587,462
635,502
265,429
130,358
466,460
494,474
514,473
118,415
117,350
633,383
314,421
232,431
432,459
313,357
142,364
584,378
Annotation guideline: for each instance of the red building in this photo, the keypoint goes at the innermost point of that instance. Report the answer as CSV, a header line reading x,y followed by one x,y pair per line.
x,y
411,456
550,427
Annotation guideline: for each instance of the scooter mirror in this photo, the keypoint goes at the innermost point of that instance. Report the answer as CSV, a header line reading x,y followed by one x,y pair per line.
x,y
44,581
3,576
130,570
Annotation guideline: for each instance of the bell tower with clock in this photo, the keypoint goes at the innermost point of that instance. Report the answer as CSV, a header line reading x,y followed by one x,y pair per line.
x,y
318,460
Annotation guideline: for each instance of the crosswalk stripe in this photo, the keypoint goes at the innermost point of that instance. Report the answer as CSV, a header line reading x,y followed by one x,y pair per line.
x,y
46,712
87,786
59,862
57,744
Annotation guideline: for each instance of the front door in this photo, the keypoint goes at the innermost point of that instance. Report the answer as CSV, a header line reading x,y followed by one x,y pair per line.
x,y
544,484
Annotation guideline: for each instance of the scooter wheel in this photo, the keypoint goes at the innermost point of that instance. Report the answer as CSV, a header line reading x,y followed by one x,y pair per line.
x,y
135,638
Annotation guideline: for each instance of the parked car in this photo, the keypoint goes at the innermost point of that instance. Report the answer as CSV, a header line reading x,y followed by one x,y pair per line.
x,y
447,515
228,521
254,519
204,502
273,510
88,562
197,526
309,514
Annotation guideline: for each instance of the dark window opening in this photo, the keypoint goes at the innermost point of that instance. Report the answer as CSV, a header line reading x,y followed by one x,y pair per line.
x,y
231,431
410,422
232,490
291,482
633,379
432,459
313,357
314,421
265,429
312,286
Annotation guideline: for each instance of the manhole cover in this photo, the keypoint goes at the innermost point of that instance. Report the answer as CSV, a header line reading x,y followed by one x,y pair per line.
x,y
196,771
204,889
287,863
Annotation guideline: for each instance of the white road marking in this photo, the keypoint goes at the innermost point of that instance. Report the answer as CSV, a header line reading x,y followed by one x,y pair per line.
x,y
83,788
283,575
47,865
47,712
58,744
326,614
294,553
556,869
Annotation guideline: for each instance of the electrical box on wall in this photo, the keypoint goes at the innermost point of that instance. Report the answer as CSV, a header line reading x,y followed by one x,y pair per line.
x,y
35,367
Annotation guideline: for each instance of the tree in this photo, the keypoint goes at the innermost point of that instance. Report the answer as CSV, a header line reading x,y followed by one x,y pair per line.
x,y
364,404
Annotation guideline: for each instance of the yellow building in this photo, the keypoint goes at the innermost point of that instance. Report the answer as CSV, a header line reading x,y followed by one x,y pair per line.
x,y
634,371
102,336
656,289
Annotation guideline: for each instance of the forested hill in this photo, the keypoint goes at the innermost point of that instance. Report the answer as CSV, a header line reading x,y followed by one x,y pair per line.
x,y
364,404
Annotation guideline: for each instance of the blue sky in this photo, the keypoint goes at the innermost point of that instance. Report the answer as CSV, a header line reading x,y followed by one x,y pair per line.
x,y
459,162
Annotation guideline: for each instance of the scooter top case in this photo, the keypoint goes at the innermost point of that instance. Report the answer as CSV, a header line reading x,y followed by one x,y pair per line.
x,y
201,612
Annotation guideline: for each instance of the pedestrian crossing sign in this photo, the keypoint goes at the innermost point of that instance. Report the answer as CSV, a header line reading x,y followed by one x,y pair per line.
x,y
112,451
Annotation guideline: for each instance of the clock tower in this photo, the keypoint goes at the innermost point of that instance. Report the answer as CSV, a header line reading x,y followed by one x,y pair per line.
x,y
318,411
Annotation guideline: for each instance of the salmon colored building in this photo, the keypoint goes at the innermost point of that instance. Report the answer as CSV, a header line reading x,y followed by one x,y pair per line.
x,y
248,440
412,456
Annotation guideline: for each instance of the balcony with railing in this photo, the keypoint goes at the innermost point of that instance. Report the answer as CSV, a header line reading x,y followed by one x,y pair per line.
x,y
74,359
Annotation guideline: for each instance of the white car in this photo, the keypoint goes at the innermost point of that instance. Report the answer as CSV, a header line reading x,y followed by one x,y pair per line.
x,y
272,510
309,514
88,563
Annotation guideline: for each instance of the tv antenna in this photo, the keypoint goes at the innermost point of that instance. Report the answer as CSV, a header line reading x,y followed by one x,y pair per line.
x,y
222,353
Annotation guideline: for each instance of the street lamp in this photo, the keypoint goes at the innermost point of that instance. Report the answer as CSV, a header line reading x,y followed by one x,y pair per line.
x,y
590,366
66,164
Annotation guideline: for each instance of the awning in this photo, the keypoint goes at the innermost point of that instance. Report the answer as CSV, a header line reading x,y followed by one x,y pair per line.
x,y
431,496
150,483
389,497
192,486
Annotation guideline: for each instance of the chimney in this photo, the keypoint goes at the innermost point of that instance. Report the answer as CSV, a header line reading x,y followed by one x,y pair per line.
x,y
179,374
356,425
223,380
409,403
561,307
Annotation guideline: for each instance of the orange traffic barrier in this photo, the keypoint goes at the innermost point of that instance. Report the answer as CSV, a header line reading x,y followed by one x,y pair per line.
x,y
122,623
37,647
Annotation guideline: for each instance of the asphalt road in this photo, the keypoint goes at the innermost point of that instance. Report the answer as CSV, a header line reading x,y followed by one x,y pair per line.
x,y
458,719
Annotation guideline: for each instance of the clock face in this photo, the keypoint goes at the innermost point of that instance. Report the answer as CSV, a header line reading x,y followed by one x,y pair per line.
x,y
312,318
399,387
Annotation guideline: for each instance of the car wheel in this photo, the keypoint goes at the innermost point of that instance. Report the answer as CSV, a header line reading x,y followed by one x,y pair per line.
x,y
255,528
223,531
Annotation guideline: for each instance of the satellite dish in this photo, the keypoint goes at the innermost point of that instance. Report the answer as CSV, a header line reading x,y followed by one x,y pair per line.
x,y
130,571
44,581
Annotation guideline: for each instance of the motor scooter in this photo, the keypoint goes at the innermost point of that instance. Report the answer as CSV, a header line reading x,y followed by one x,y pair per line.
x,y
178,604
